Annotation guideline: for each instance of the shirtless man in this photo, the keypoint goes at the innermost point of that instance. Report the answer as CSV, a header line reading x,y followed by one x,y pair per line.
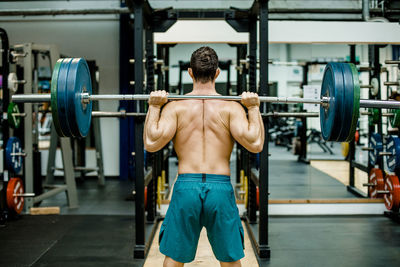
x,y
203,133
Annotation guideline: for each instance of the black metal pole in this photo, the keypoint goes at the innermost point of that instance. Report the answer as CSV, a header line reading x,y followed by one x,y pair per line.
x,y
264,249
139,249
352,144
5,130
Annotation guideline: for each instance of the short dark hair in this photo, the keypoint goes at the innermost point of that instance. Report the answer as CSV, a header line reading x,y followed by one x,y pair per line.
x,y
204,64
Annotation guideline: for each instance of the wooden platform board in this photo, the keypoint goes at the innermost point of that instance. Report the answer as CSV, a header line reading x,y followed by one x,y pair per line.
x,y
204,256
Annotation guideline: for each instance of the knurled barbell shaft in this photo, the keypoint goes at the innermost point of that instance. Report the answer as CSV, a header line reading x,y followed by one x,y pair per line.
x,y
364,103
116,114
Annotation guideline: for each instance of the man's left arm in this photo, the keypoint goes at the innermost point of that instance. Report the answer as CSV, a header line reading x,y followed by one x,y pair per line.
x,y
160,126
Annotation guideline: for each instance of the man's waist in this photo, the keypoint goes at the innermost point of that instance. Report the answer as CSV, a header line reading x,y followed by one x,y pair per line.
x,y
204,177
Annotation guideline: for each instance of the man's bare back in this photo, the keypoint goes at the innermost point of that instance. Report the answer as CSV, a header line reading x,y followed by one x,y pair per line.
x,y
205,131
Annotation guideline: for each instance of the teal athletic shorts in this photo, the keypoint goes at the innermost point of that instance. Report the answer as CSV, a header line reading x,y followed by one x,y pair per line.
x,y
202,200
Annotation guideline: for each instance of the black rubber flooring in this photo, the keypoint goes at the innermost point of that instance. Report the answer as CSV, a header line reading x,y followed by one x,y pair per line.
x,y
68,240
333,241
92,240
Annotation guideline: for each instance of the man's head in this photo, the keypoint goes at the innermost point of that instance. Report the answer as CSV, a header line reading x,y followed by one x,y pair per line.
x,y
204,65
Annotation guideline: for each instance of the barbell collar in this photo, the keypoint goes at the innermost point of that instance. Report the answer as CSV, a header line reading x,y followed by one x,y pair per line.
x,y
385,154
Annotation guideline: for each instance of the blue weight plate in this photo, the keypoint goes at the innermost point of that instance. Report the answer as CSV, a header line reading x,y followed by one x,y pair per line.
x,y
62,97
339,102
327,115
79,82
375,142
13,162
348,99
332,87
393,146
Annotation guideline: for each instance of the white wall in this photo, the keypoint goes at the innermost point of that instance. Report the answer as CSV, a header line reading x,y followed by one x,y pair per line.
x,y
91,37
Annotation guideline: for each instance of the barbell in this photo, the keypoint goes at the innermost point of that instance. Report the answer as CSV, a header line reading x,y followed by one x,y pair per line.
x,y
71,99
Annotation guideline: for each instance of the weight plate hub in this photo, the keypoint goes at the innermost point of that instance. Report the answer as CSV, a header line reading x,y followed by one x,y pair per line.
x,y
375,142
345,149
13,121
15,203
393,146
14,162
392,199
339,119
376,178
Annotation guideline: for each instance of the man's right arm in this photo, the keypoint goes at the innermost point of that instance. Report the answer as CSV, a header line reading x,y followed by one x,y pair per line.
x,y
249,132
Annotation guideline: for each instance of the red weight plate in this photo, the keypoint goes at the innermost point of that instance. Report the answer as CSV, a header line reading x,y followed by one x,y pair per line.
x,y
376,178
16,203
392,199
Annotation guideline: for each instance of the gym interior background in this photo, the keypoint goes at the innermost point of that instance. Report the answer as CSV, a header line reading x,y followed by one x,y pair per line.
x,y
98,200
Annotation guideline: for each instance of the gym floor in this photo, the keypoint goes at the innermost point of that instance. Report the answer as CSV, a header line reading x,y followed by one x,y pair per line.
x,y
101,231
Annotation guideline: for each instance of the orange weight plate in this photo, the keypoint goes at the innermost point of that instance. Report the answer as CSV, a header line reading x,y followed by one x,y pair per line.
x,y
16,203
376,178
392,199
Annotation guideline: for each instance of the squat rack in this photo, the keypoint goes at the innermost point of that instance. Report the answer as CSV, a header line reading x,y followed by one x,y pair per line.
x,y
146,22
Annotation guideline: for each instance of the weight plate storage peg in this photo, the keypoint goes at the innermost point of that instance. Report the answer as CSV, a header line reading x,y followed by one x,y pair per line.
x,y
377,183
13,121
15,190
376,145
393,147
14,158
392,199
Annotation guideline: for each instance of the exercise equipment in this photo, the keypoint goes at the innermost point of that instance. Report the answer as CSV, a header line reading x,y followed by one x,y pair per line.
x,y
376,183
376,147
71,99
373,117
345,149
14,154
393,149
15,195
14,115
392,192
395,119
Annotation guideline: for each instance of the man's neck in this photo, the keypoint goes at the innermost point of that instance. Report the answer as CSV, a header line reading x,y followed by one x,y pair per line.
x,y
204,88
